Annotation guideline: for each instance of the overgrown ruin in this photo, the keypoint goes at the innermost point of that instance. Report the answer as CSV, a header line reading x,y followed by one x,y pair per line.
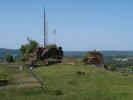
x,y
50,54
94,58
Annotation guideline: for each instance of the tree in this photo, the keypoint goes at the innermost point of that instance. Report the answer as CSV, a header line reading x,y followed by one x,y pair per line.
x,y
52,51
9,58
85,58
51,46
32,45
28,48
60,53
55,52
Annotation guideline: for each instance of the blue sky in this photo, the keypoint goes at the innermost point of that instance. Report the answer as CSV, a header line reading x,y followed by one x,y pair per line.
x,y
80,24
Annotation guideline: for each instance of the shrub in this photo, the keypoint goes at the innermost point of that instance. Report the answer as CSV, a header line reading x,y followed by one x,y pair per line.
x,y
28,48
112,66
9,58
85,58
57,92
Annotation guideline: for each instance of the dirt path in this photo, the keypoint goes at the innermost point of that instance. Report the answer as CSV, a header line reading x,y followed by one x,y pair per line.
x,y
22,79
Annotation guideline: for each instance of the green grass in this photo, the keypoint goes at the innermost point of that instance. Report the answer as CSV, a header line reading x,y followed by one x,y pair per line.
x,y
97,84
6,72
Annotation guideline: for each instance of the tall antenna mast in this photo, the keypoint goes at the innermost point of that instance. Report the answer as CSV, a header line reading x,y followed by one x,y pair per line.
x,y
45,31
55,36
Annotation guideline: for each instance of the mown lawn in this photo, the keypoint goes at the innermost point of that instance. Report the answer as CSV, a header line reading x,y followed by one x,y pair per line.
x,y
63,83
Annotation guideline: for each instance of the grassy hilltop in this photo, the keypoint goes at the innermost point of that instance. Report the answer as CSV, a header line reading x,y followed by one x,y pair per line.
x,y
97,84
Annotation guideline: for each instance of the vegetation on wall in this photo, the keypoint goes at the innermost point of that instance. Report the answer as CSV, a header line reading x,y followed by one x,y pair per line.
x,y
28,48
55,52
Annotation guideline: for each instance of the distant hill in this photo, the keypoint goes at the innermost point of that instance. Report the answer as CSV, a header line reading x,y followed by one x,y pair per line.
x,y
75,53
16,53
105,53
3,52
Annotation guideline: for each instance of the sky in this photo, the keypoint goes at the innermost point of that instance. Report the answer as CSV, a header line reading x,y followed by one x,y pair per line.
x,y
80,24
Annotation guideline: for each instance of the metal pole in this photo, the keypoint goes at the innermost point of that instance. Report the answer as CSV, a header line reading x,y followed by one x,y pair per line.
x,y
44,29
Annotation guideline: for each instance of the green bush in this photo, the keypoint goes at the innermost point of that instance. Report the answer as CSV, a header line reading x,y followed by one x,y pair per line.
x,y
85,58
130,67
28,48
55,52
112,66
9,58
57,92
